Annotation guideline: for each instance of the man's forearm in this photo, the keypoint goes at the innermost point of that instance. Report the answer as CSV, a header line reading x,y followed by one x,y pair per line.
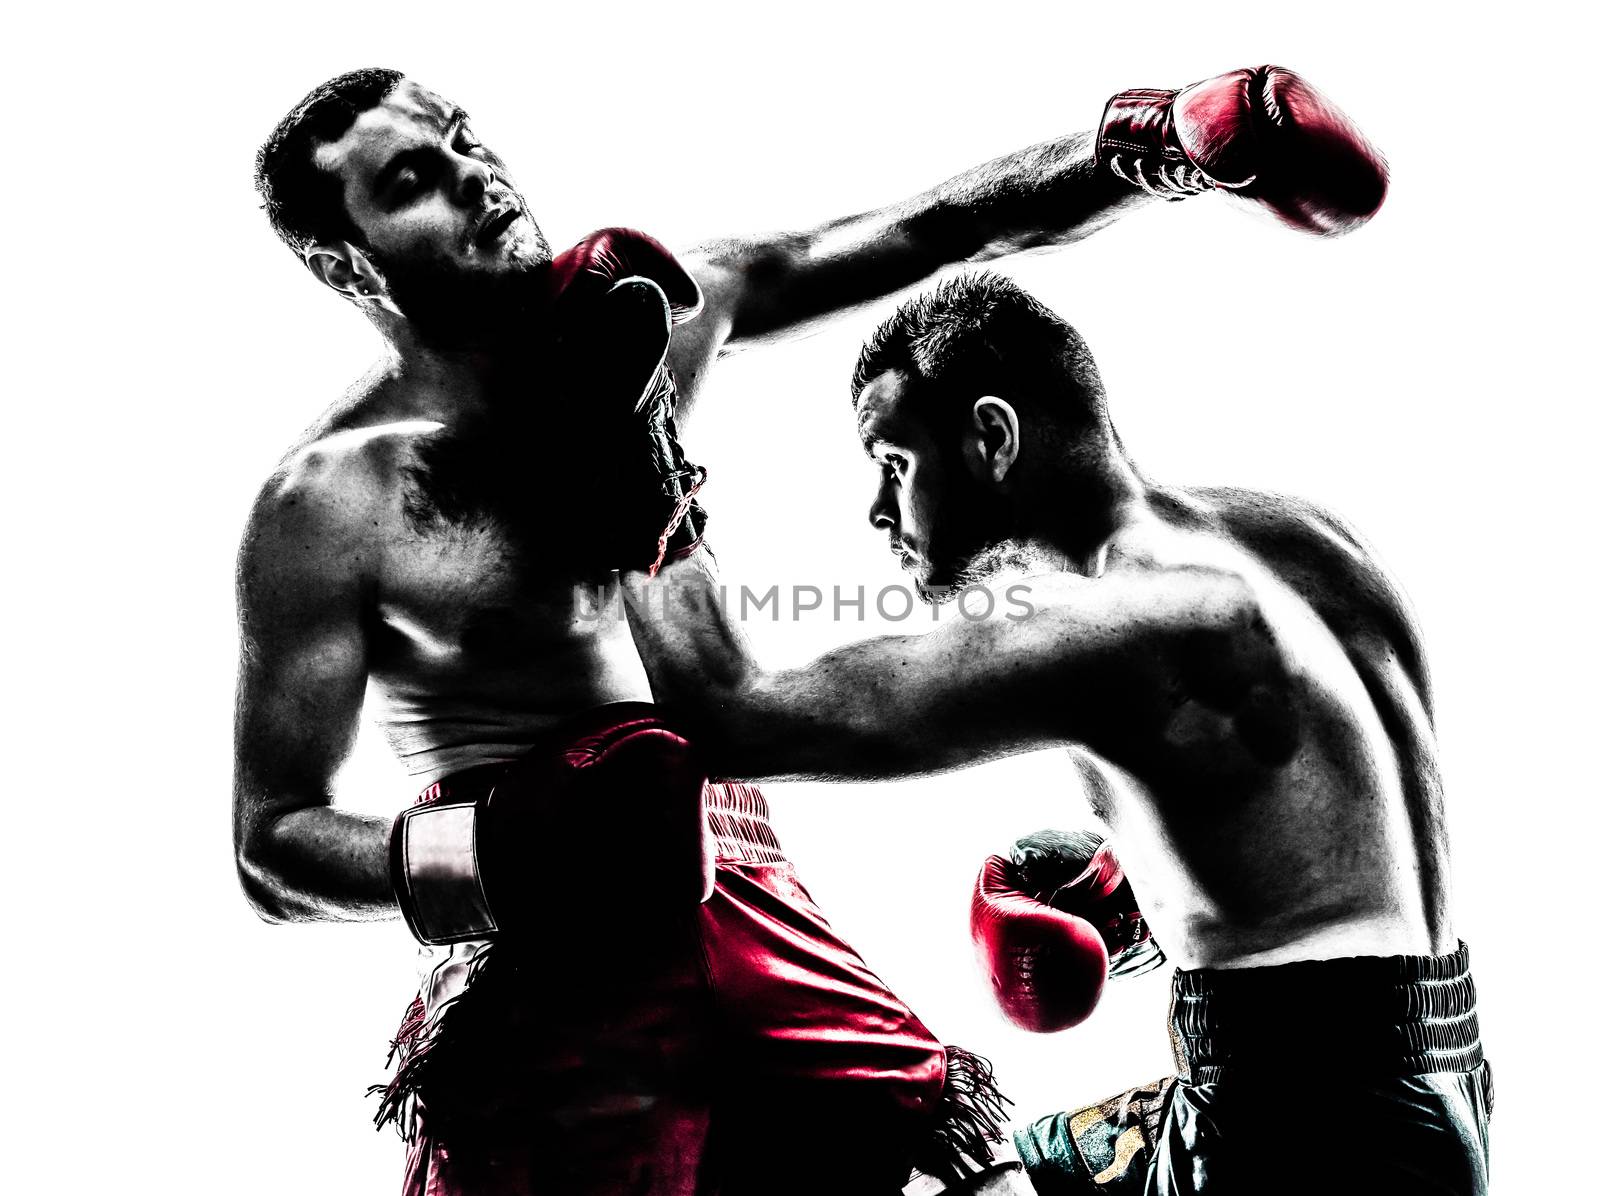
x,y
319,864
703,672
1047,194
694,653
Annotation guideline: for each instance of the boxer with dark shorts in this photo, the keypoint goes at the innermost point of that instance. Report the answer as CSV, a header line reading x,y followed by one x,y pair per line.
x,y
1245,691
1327,1076
431,540
1381,1055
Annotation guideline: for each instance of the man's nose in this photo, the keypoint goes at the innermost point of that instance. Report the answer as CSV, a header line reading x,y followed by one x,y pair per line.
x,y
473,180
884,514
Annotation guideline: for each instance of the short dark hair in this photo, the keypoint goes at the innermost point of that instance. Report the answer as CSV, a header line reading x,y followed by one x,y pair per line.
x,y
978,334
304,202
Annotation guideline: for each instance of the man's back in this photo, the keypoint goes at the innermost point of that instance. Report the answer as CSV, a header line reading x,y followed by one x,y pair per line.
x,y
1340,850
1319,557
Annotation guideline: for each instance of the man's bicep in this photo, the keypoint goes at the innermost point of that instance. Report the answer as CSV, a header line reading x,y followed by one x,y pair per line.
x,y
905,705
1093,662
302,673
1043,195
697,344
779,284
298,704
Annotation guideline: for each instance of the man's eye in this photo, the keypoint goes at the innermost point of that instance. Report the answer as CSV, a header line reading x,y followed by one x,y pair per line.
x,y
410,182
895,462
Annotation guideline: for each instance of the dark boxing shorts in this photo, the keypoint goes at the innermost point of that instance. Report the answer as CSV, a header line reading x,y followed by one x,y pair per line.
x,y
1360,1075
741,1048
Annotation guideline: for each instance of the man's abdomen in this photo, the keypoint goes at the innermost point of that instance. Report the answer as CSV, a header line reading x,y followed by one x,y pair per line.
x,y
442,717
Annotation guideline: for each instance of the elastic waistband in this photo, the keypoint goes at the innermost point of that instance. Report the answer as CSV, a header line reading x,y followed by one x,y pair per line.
x,y
470,784
476,781
739,819
741,823
1395,1015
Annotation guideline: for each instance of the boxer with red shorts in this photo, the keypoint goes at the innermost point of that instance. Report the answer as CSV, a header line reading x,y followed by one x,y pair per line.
x,y
719,1016
751,1041
431,543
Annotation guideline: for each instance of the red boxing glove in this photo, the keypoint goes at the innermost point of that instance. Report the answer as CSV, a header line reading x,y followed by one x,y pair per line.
x,y
592,266
1078,873
615,298
1264,135
611,811
1047,968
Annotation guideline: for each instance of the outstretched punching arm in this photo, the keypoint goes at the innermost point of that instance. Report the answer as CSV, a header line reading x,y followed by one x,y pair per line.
x,y
1048,194
1262,136
1171,669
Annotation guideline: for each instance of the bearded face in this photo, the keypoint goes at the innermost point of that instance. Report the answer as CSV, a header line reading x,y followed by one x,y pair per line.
x,y
439,217
942,521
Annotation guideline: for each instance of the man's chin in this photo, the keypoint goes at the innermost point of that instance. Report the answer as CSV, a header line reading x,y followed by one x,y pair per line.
x,y
1007,558
465,308
529,252
513,255
936,586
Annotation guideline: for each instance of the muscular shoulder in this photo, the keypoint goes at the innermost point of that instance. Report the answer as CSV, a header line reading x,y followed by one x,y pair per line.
x,y
329,504
1324,560
341,475
739,279
1262,517
719,269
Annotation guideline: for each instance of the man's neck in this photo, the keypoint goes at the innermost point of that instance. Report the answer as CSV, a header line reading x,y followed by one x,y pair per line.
x,y
423,382
1092,515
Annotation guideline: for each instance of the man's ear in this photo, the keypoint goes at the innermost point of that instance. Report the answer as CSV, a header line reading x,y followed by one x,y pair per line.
x,y
347,270
994,438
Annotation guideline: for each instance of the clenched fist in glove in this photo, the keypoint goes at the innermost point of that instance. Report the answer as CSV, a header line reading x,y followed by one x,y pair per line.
x,y
1264,135
1051,922
615,298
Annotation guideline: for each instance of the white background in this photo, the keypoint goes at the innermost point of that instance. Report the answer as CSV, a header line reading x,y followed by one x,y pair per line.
x,y
1428,377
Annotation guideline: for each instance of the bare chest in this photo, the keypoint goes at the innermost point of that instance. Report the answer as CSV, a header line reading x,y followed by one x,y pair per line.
x,y
452,598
